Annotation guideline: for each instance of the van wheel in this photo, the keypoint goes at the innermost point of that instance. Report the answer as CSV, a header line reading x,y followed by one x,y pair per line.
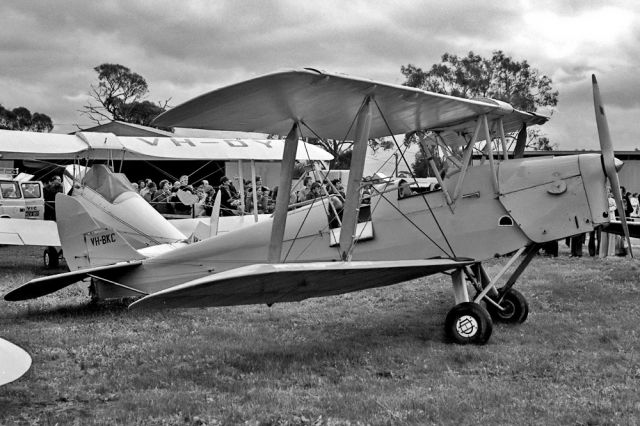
x,y
50,257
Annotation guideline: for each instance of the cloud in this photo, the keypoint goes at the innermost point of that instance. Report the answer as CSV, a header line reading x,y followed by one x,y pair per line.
x,y
184,49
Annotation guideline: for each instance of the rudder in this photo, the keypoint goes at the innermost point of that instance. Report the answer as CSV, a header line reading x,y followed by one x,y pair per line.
x,y
86,244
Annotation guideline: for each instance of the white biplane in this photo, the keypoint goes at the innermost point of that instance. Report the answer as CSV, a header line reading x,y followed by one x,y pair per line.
x,y
481,211
109,198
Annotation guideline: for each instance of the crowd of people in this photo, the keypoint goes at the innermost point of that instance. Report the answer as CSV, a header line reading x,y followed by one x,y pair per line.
x,y
180,197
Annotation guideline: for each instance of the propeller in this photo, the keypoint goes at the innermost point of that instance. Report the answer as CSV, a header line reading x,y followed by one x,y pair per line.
x,y
521,142
608,159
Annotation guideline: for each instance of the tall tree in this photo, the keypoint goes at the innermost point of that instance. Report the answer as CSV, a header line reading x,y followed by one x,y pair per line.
x,y
20,118
499,77
119,95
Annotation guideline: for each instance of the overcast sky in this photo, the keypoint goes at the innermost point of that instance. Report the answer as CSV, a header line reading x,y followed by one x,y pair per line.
x,y
184,48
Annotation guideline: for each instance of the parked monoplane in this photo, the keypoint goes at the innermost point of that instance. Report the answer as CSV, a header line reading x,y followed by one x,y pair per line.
x,y
480,211
109,198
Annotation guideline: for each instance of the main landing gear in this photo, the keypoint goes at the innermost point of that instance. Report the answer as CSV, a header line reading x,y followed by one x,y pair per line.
x,y
471,321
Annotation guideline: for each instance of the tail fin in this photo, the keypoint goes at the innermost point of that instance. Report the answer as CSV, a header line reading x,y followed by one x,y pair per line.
x,y
86,244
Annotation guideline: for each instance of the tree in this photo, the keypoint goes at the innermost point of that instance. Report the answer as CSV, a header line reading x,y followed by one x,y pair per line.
x,y
120,95
499,77
20,118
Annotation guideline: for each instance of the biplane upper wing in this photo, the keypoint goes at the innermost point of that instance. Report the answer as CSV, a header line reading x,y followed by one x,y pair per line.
x,y
289,282
27,232
327,103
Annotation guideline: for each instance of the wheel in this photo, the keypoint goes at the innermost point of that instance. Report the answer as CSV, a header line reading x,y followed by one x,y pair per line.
x,y
468,322
50,257
516,308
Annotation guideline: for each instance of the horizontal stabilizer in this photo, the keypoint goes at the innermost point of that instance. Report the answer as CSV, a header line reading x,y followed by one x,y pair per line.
x,y
289,282
47,285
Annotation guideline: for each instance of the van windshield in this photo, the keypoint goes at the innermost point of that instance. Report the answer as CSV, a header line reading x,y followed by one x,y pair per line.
x,y
10,189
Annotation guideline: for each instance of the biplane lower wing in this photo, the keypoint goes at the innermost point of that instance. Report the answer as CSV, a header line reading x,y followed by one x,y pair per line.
x,y
47,285
290,282
27,232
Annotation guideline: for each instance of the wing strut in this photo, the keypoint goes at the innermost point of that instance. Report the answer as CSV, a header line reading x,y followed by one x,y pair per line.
x,y
254,196
241,186
492,164
466,159
503,140
282,199
352,200
429,154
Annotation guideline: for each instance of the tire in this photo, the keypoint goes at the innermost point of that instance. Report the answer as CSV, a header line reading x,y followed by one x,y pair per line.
x,y
50,258
468,323
516,308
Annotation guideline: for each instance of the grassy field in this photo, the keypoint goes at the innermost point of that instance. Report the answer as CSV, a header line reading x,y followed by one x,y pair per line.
x,y
375,357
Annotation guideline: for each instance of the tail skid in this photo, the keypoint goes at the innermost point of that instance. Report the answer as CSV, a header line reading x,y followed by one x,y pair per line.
x,y
85,243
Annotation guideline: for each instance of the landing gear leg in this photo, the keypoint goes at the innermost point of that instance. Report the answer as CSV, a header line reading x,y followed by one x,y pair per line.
x,y
507,304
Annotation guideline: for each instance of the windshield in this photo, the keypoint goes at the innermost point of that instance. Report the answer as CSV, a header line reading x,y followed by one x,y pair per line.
x,y
106,183
10,189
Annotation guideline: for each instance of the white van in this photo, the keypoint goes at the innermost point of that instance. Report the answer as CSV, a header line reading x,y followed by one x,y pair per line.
x,y
20,200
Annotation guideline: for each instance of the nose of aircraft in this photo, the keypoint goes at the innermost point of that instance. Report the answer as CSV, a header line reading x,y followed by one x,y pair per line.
x,y
609,162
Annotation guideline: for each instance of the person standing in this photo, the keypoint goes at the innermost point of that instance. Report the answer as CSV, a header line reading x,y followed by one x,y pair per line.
x,y
50,190
226,208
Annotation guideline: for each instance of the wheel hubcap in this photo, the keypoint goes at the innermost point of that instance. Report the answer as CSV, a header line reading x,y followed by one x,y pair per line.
x,y
509,310
467,326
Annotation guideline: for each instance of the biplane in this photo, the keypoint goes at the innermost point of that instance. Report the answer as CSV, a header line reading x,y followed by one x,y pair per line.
x,y
499,207
109,198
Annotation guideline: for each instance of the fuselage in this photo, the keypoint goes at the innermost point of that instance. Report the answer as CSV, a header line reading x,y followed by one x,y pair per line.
x,y
535,201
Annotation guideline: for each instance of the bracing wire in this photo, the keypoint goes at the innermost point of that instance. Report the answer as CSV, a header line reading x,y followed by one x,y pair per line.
x,y
415,181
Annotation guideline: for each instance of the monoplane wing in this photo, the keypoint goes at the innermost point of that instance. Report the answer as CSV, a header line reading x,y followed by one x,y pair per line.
x,y
26,232
289,282
327,103
16,145
47,285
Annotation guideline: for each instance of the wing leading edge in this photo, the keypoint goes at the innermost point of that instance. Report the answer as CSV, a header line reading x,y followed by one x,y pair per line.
x,y
327,103
291,282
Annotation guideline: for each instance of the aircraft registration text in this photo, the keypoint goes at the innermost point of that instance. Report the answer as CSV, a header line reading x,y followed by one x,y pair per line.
x,y
104,239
